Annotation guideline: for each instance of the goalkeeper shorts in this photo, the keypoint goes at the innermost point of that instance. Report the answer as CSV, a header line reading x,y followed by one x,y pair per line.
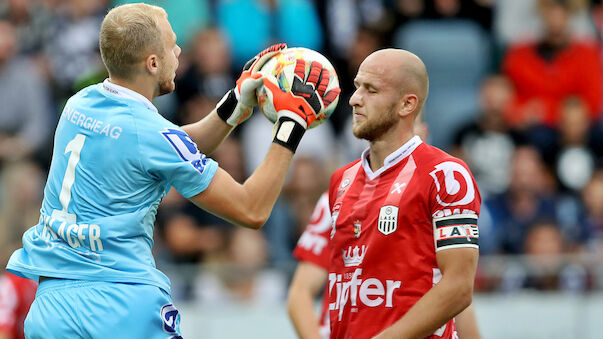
x,y
66,308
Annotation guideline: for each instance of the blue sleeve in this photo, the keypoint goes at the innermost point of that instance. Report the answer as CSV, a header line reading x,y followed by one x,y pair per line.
x,y
170,155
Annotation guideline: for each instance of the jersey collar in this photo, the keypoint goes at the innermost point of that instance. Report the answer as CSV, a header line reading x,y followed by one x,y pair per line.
x,y
127,93
392,159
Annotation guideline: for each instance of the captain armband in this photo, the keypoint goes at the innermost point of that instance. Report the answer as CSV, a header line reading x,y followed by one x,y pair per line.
x,y
459,230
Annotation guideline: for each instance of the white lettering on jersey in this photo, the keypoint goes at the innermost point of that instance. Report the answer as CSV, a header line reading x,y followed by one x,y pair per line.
x,y
451,184
448,212
372,292
91,124
75,235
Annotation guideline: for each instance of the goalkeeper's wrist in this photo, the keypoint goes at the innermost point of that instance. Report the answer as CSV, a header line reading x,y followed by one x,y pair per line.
x,y
288,132
225,108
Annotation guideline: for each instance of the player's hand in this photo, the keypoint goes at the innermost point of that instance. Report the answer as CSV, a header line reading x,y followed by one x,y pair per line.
x,y
298,108
237,105
307,98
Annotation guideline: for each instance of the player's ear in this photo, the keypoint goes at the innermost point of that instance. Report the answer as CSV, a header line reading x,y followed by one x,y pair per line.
x,y
408,105
152,64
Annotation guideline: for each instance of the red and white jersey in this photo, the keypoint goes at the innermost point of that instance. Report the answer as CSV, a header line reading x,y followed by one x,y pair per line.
x,y
312,246
387,227
16,296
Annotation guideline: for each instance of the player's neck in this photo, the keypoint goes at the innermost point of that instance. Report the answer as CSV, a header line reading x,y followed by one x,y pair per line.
x,y
386,145
137,85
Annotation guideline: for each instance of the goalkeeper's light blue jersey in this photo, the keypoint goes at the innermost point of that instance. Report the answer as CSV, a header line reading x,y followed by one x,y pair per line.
x,y
114,159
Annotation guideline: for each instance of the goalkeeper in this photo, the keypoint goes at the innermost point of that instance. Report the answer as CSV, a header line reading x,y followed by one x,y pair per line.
x,y
114,159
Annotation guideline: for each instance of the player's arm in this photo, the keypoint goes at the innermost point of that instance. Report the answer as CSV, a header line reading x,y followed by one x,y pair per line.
x,y
445,300
466,324
309,279
235,107
209,132
249,204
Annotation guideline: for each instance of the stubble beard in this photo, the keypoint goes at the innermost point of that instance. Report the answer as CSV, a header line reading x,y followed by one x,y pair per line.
x,y
166,82
166,87
373,129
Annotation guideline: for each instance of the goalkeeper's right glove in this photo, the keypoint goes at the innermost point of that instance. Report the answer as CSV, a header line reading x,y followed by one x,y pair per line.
x,y
237,104
301,106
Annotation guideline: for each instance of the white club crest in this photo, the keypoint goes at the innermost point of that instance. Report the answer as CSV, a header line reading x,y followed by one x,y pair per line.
x,y
388,219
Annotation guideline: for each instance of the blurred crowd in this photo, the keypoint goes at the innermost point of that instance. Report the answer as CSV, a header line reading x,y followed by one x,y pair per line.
x,y
516,90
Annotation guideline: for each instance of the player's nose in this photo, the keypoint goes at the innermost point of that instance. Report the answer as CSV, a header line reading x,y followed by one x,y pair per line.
x,y
356,98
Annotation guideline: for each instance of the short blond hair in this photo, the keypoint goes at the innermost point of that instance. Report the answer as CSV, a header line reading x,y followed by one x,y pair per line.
x,y
128,34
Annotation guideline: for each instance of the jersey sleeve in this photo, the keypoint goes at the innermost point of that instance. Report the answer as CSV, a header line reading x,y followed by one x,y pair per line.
x,y
169,154
312,246
454,201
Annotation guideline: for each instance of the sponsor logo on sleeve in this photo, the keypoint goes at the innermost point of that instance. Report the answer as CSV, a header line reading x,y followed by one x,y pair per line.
x,y
169,315
186,148
454,184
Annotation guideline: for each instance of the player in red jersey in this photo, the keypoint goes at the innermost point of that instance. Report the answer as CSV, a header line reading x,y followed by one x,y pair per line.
x,y
16,295
404,239
311,275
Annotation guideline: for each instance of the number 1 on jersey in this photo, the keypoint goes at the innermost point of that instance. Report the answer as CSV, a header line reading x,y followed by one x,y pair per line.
x,y
75,147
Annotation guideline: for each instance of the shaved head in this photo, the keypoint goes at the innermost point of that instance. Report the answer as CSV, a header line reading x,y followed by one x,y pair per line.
x,y
402,69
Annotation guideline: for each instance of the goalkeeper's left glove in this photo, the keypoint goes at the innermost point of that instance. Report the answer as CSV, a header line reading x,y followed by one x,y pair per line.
x,y
237,104
298,108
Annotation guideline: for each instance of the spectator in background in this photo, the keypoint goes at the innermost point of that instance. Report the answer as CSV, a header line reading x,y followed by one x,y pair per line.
x,y
475,141
366,41
574,146
544,268
33,23
207,77
25,116
308,179
74,53
22,186
518,21
252,24
592,197
16,296
476,10
527,200
547,71
344,19
241,277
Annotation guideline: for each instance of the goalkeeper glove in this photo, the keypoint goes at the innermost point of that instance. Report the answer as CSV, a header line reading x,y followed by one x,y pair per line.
x,y
301,106
237,104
